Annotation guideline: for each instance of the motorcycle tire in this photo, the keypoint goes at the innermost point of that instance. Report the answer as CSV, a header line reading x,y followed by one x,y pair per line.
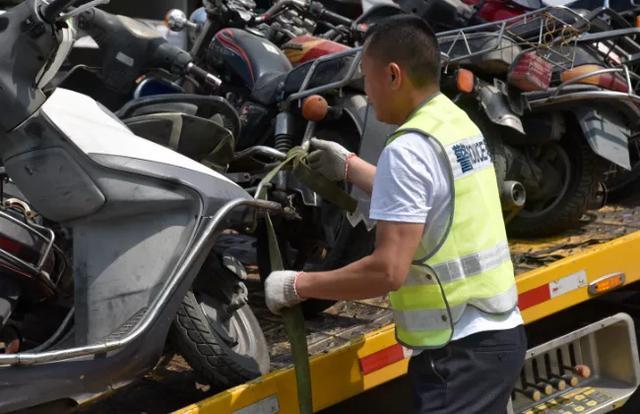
x,y
221,355
585,173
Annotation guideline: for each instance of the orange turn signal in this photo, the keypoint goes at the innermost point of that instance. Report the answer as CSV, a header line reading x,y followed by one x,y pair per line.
x,y
315,108
638,21
606,283
465,80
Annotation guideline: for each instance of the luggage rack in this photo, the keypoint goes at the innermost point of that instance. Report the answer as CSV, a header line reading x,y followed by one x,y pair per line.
x,y
551,32
619,49
620,53
350,68
565,92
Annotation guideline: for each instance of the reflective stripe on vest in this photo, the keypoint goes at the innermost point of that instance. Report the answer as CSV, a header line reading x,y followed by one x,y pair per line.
x,y
470,264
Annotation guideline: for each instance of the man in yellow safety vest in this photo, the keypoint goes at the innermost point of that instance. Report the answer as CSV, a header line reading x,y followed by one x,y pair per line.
x,y
441,247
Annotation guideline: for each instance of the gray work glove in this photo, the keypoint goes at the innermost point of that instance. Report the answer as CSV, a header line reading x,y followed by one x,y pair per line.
x,y
329,158
280,291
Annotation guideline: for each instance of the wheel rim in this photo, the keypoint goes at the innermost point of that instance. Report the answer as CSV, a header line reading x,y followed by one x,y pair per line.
x,y
232,329
542,207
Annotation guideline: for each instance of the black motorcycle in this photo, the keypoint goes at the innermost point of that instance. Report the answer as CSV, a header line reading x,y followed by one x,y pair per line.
x,y
555,106
246,122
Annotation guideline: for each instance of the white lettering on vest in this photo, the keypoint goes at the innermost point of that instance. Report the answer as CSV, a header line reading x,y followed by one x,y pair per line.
x,y
469,156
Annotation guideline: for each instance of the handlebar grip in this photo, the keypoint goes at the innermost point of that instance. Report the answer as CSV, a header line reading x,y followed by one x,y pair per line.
x,y
201,74
335,18
49,12
322,12
180,61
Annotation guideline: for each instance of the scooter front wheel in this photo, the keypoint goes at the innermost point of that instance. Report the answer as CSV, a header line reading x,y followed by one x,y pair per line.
x,y
224,348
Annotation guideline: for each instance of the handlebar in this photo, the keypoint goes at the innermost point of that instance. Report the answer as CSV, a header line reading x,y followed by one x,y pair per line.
x,y
274,10
202,75
130,47
50,11
315,8
318,9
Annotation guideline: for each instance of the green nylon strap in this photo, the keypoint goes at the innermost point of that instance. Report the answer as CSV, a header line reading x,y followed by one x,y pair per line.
x,y
294,325
297,161
293,318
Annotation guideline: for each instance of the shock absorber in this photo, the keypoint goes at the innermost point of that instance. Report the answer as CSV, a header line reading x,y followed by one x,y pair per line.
x,y
284,130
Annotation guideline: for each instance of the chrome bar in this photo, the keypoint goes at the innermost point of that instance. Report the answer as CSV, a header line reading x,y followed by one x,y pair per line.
x,y
632,101
303,92
577,79
260,150
627,76
156,307
15,260
50,241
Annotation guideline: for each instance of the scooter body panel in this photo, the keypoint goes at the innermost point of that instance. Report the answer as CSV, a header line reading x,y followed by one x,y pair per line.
x,y
135,209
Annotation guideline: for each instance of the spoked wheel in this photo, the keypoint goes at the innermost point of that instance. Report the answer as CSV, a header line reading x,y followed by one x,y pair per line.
x,y
216,331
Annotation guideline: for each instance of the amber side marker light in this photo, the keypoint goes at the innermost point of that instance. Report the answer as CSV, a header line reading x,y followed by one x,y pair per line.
x,y
606,283
465,80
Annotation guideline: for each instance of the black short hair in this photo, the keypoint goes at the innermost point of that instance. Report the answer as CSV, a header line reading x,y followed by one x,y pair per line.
x,y
408,41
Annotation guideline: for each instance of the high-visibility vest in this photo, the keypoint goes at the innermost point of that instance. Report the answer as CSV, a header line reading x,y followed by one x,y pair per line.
x,y
470,265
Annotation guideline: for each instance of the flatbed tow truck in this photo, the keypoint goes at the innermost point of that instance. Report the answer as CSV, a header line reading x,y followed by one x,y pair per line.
x,y
579,297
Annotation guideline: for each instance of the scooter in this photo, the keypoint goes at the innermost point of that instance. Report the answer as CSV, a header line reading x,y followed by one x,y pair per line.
x,y
143,221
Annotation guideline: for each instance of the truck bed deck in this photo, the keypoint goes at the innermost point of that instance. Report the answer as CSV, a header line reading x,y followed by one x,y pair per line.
x,y
348,320
172,385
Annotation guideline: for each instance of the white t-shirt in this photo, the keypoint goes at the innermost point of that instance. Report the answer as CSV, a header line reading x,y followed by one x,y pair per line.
x,y
411,186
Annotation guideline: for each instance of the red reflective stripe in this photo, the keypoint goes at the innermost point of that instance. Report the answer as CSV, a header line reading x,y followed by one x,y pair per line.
x,y
533,297
381,359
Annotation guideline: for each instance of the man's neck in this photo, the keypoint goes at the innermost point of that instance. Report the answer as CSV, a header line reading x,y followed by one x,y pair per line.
x,y
416,99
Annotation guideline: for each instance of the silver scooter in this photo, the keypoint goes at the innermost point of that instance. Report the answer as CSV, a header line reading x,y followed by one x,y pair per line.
x,y
142,220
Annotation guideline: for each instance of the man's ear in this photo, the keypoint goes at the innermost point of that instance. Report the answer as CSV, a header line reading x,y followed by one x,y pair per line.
x,y
396,75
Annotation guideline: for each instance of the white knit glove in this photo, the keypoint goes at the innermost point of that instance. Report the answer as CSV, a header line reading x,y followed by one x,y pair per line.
x,y
280,291
329,159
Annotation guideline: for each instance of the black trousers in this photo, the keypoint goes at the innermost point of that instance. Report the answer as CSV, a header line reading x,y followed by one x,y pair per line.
x,y
473,375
